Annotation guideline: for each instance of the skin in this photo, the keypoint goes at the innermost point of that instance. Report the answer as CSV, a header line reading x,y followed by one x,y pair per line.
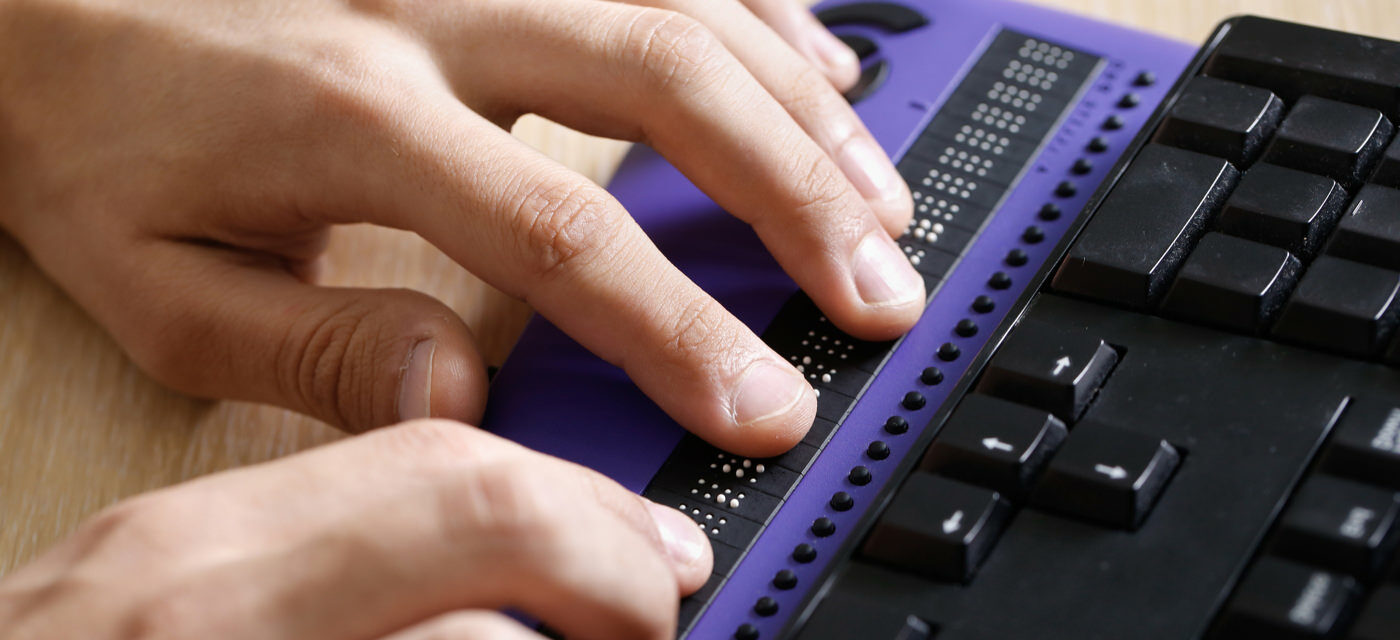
x,y
175,166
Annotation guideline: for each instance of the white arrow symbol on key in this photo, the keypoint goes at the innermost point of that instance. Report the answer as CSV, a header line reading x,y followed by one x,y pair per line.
x,y
1060,365
1117,473
996,445
953,523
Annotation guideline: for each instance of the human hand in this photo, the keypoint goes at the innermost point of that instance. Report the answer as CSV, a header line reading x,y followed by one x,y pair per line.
x,y
175,166
415,530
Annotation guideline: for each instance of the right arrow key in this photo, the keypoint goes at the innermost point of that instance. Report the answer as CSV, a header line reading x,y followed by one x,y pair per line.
x,y
1108,475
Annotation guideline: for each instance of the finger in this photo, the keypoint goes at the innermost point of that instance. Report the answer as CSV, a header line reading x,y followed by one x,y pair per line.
x,y
227,324
795,23
467,625
376,533
815,105
662,77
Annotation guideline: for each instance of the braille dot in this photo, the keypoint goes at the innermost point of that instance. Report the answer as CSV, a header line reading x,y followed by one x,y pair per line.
x,y
966,328
913,401
1129,100
1000,280
1145,79
896,425
1017,258
859,476
878,450
785,580
1098,144
842,501
804,553
930,376
746,631
1033,234
1050,212
1082,166
1066,189
823,527
765,606
984,304
949,352
1113,123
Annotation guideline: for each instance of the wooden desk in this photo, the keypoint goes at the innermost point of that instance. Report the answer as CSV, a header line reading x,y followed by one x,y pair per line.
x,y
80,427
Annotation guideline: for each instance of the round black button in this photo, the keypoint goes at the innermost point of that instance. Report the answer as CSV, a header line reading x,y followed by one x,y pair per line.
x,y
823,527
1066,189
842,501
1049,212
878,450
1113,123
1098,145
1145,79
913,401
1082,166
765,606
984,304
1017,257
1000,280
930,376
859,476
1129,100
785,580
949,352
896,425
966,328
1033,234
746,631
804,553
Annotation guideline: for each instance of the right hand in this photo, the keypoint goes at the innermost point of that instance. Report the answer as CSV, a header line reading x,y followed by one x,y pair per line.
x,y
419,531
175,166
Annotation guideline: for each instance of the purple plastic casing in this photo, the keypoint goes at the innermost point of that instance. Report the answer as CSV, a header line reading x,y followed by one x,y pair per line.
x,y
554,396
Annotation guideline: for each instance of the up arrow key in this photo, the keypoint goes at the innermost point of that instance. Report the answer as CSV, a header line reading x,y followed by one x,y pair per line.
x,y
1060,365
953,523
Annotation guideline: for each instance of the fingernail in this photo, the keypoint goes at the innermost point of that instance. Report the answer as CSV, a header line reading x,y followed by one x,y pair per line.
x,y
838,58
882,274
416,382
766,390
867,167
682,537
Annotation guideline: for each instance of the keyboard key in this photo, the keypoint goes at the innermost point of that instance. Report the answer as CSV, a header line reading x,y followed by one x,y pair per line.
x,y
842,616
939,528
1286,208
1342,306
1388,171
1340,525
1294,60
1380,616
1281,600
1108,475
1049,368
1370,230
1335,139
1365,443
996,444
1130,250
1233,283
1223,119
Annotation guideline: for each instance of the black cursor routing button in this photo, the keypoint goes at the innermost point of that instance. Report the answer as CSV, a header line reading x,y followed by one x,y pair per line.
x,y
895,18
1049,368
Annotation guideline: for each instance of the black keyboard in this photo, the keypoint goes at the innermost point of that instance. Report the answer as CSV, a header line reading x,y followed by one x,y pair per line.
x,y
1193,429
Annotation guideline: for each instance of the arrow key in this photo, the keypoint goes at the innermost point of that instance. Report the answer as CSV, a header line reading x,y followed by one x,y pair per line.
x,y
1107,474
937,527
1049,368
994,443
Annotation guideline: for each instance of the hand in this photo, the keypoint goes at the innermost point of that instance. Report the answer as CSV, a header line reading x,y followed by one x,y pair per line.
x,y
175,166
417,531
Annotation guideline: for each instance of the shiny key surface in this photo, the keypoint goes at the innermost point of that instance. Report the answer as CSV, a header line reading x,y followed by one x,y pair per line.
x,y
1339,140
937,527
1369,231
1366,443
1341,525
996,444
1223,119
1051,369
1342,306
1286,208
1107,474
1284,600
1233,283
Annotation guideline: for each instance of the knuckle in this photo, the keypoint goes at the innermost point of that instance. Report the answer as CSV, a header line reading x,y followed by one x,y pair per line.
x,y
820,188
431,443
566,223
316,356
171,612
807,90
523,510
699,334
673,49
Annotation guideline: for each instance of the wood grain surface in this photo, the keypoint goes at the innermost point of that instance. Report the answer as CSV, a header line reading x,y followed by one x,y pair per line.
x,y
81,427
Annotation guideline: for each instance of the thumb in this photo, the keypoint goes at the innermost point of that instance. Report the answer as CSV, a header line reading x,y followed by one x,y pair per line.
x,y
355,358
